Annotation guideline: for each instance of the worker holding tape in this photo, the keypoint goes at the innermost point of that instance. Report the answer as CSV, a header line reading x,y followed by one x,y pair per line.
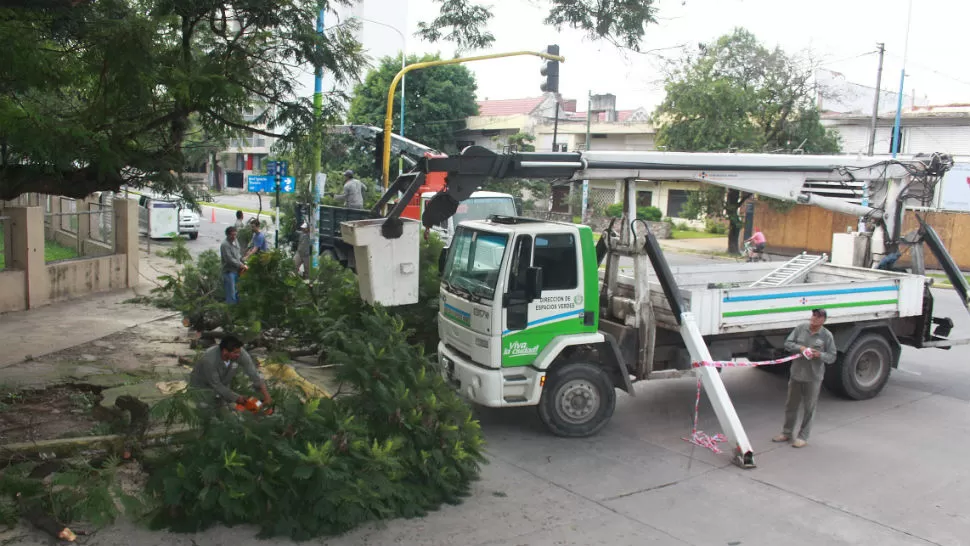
x,y
817,347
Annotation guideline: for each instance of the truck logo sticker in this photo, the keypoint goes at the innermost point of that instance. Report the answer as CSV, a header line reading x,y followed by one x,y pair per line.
x,y
481,313
520,348
457,315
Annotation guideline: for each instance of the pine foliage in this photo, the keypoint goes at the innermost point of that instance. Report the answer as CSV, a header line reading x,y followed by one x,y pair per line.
x,y
401,443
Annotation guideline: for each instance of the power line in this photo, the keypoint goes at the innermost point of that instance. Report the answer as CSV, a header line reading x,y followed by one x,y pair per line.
x,y
933,70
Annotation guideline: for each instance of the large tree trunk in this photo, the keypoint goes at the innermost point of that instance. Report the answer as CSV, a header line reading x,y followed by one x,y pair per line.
x,y
732,205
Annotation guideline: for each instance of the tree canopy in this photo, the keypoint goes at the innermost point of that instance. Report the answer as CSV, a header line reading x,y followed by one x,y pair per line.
x,y
735,94
437,100
98,94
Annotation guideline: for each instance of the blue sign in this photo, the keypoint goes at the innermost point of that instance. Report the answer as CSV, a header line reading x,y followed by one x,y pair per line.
x,y
266,183
257,182
281,168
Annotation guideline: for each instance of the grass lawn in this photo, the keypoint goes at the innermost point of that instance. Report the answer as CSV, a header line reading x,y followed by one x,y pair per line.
x,y
942,281
52,252
678,234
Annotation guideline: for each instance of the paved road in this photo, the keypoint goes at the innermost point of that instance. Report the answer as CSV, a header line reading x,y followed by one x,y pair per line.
x,y
887,471
211,233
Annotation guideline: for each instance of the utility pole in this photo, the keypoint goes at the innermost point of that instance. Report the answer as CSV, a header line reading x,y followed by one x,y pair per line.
x,y
318,180
555,124
875,101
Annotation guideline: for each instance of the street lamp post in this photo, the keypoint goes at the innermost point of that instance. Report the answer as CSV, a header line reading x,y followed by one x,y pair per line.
x,y
404,56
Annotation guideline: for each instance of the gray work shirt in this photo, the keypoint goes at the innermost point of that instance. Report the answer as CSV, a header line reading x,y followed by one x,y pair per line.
x,y
353,194
211,372
231,256
803,369
303,248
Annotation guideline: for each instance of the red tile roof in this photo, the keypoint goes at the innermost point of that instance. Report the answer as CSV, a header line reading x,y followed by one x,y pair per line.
x,y
508,107
621,115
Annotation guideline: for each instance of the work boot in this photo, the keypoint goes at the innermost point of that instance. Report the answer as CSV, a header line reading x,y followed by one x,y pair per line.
x,y
781,438
799,443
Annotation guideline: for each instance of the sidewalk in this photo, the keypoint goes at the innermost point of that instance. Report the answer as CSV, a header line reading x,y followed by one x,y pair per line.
x,y
707,245
36,332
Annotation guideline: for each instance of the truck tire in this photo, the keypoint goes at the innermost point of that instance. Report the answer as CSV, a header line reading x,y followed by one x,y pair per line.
x,y
577,400
194,235
863,370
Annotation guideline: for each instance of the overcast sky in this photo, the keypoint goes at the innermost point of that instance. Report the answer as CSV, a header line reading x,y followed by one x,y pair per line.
x,y
842,33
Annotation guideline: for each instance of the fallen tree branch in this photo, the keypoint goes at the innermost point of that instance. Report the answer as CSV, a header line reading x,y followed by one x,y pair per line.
x,y
114,443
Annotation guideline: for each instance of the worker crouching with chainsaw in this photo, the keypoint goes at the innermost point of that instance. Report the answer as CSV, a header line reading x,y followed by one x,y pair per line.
x,y
215,369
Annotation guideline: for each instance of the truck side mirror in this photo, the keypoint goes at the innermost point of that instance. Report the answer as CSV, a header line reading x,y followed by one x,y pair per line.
x,y
441,261
533,283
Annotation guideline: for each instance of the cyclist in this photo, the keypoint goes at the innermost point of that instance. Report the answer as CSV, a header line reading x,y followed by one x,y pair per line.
x,y
758,242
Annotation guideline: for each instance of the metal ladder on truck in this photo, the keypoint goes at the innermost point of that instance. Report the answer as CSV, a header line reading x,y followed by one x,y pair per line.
x,y
793,271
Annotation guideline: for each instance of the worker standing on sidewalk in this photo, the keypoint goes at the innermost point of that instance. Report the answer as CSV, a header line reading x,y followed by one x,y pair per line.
x,y
817,347
232,265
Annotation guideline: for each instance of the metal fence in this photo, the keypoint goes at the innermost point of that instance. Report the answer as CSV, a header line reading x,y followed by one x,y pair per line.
x,y
600,198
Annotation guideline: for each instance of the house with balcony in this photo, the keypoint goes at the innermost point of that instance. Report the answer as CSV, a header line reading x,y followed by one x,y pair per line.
x,y
244,155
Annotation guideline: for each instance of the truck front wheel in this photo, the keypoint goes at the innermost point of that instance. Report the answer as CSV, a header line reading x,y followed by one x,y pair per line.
x,y
862,372
577,400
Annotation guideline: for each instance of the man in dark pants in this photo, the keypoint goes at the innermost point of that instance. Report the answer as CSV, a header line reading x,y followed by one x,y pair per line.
x,y
817,347
232,265
216,368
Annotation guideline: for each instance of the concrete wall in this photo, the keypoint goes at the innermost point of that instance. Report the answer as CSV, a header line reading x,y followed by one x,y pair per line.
x,y
28,282
12,296
72,278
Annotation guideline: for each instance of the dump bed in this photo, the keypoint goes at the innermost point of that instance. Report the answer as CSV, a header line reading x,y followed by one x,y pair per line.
x,y
724,302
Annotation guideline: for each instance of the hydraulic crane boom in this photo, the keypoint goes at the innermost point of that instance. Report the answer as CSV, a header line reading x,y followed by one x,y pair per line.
x,y
892,181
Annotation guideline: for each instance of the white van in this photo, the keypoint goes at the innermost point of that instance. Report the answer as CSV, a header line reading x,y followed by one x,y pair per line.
x,y
168,217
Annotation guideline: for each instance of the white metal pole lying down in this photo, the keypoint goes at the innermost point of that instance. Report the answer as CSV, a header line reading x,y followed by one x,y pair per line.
x,y
741,452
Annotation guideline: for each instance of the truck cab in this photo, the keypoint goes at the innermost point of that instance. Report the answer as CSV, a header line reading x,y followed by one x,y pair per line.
x,y
519,300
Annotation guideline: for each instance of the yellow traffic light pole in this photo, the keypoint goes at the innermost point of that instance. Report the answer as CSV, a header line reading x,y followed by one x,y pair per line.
x,y
415,66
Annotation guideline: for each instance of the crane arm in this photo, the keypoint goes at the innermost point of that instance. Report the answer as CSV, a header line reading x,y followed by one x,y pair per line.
x,y
774,175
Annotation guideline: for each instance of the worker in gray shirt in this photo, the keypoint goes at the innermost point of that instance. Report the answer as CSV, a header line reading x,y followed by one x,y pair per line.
x,y
353,194
817,347
216,368
232,265
302,256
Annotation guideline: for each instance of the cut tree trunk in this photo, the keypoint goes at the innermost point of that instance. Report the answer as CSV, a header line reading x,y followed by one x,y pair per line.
x,y
65,447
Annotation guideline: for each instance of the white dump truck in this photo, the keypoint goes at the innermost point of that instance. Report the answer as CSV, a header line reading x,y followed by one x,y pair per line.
x,y
529,318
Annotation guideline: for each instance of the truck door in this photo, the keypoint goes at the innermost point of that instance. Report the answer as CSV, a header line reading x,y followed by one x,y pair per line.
x,y
528,328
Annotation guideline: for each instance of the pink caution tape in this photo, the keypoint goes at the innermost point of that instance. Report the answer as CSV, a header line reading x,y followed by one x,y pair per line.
x,y
701,439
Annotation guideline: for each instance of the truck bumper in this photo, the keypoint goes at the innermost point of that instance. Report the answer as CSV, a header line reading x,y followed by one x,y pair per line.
x,y
494,388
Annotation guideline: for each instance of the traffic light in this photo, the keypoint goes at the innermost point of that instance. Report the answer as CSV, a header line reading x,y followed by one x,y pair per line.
x,y
379,152
551,71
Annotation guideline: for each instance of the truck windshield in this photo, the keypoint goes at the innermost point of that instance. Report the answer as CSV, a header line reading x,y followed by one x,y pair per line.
x,y
474,262
480,208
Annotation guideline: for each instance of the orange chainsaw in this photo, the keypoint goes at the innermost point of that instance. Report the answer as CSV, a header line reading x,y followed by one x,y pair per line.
x,y
254,405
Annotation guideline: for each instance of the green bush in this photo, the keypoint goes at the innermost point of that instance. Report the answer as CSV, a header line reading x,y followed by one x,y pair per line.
x,y
715,226
651,214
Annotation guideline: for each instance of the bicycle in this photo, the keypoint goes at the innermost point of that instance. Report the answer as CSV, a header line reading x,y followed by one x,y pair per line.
x,y
750,254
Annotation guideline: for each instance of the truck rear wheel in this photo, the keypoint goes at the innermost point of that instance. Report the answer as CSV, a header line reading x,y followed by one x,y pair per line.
x,y
862,372
577,400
